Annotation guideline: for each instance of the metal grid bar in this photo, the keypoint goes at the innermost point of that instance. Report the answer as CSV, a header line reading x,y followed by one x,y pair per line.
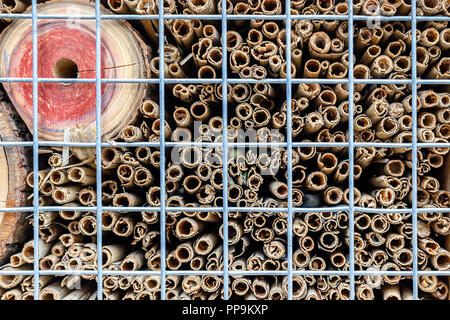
x,y
162,140
230,209
414,148
231,273
351,208
34,29
225,149
351,194
289,147
215,144
98,148
219,17
231,81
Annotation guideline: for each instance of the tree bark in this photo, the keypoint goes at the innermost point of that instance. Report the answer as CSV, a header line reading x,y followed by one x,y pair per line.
x,y
14,165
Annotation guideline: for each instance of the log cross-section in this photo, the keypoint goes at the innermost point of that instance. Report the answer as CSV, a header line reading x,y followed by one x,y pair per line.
x,y
67,49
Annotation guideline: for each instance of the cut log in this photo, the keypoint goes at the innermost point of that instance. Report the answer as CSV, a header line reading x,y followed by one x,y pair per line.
x,y
14,165
67,49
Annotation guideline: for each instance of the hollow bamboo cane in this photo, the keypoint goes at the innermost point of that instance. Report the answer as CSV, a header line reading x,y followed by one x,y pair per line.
x,y
54,291
82,175
187,228
133,261
124,227
126,199
88,226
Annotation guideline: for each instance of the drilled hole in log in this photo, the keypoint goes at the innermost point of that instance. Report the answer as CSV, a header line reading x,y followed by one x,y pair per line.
x,y
65,68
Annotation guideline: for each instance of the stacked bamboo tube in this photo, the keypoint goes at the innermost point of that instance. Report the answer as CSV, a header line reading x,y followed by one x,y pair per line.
x,y
15,6
431,8
257,242
258,177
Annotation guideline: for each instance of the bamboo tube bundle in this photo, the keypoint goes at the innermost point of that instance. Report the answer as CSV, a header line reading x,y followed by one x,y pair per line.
x,y
271,250
178,288
257,177
258,288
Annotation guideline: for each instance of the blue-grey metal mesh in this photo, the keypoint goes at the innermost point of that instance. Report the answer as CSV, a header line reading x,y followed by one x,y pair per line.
x,y
289,144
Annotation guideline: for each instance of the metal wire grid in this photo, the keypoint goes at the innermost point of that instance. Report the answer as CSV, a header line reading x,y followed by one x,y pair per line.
x,y
289,144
